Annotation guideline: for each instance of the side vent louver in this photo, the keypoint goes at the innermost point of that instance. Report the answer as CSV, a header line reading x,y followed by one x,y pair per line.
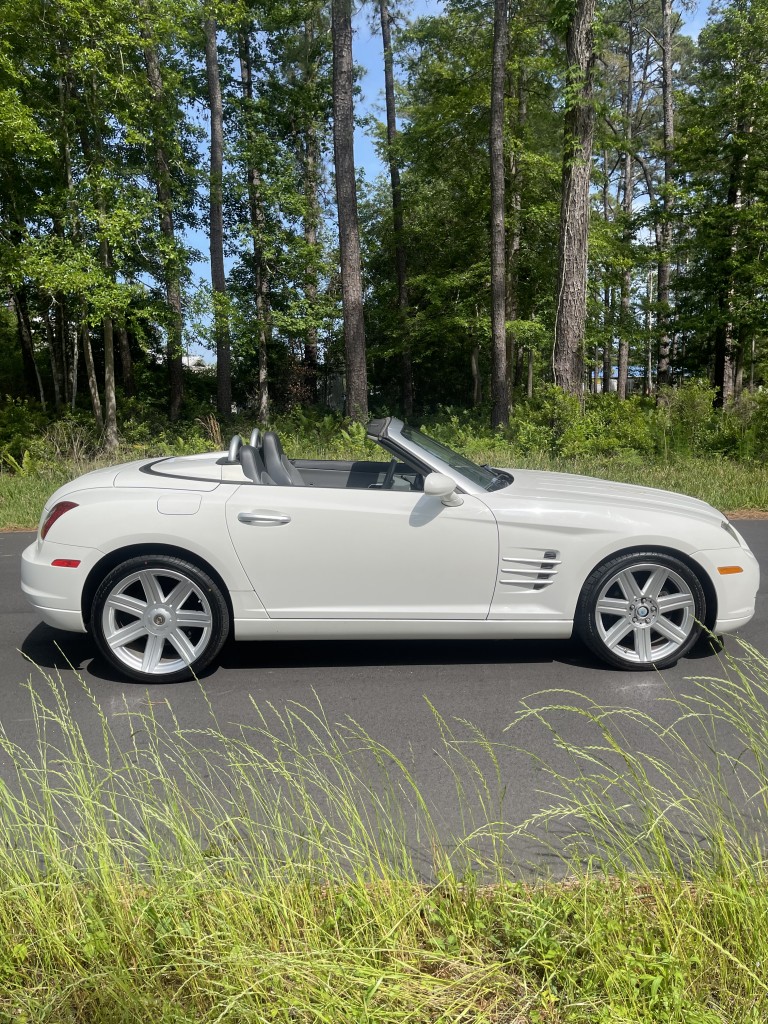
x,y
534,571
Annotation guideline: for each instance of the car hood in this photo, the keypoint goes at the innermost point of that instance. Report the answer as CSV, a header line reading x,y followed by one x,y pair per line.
x,y
571,489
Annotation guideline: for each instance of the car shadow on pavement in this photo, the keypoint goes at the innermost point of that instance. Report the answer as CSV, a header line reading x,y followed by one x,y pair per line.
x,y
276,654
58,651
53,650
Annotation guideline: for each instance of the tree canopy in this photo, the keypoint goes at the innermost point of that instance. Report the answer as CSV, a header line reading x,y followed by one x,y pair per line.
x,y
570,191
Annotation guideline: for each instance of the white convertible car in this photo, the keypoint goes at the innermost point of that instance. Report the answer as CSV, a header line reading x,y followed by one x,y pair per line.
x,y
162,559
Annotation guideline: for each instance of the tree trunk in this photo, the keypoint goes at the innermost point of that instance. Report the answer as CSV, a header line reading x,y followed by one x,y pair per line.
x,y
126,362
607,293
311,222
514,240
649,335
50,340
32,382
477,386
60,346
346,199
61,360
728,334
111,439
499,385
311,225
625,318
90,370
571,305
216,225
73,367
667,200
397,207
258,221
163,178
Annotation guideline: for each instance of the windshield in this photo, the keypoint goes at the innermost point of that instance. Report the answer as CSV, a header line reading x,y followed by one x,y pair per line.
x,y
484,476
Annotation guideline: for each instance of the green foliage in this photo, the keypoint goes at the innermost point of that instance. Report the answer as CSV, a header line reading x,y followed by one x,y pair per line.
x,y
679,443
131,888
21,422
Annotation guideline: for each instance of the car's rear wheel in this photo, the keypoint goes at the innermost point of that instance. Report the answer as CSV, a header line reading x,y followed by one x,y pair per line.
x,y
159,619
641,610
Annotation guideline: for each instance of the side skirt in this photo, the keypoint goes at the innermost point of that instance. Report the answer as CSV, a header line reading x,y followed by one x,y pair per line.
x,y
401,629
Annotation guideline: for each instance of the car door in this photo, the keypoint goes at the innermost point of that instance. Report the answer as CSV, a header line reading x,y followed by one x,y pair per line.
x,y
343,553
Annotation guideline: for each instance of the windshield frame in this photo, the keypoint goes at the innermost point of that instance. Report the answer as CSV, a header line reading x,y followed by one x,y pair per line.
x,y
411,443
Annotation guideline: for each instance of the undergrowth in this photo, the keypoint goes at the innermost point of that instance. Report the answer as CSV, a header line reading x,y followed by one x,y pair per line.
x,y
679,444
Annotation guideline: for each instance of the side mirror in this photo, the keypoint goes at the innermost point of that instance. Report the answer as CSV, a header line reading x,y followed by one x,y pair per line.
x,y
441,486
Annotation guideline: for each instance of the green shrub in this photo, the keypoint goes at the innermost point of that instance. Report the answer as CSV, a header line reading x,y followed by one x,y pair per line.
x,y
746,422
685,420
21,421
609,427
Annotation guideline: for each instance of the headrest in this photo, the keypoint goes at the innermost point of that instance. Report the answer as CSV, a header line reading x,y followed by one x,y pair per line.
x,y
270,442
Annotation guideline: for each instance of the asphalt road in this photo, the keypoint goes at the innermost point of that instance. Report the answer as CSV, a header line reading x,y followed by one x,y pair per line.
x,y
387,687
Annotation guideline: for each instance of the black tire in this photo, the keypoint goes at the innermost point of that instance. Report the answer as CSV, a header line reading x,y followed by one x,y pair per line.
x,y
159,619
641,610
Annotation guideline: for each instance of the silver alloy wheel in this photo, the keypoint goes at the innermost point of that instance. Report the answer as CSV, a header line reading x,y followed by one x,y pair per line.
x,y
156,621
646,612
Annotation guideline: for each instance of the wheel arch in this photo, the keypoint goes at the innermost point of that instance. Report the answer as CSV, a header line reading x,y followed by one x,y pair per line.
x,y
710,595
111,560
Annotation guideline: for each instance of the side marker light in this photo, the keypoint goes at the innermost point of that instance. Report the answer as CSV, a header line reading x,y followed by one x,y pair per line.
x,y
67,563
729,570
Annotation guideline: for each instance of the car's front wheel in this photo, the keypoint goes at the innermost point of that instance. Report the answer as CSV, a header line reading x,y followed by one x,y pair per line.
x,y
159,619
641,610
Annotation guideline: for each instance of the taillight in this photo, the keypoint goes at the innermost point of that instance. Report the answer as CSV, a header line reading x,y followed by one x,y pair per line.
x,y
56,512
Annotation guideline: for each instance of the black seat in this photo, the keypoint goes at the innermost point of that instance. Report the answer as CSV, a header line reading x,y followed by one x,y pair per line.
x,y
282,472
253,465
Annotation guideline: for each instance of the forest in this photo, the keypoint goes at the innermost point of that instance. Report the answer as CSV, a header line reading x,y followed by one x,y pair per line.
x,y
574,197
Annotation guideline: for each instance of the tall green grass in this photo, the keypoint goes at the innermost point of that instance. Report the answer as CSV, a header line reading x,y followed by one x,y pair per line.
x,y
297,872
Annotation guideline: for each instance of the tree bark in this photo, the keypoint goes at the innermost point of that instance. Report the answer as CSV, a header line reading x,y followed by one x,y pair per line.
x,y
111,439
312,215
499,384
397,208
346,199
625,318
163,181
216,225
90,370
607,292
258,221
514,237
571,304
60,347
608,343
667,200
50,340
32,381
728,334
126,362
61,360
477,386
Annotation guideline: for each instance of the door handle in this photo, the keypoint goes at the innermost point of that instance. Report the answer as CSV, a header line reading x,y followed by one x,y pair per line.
x,y
263,518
